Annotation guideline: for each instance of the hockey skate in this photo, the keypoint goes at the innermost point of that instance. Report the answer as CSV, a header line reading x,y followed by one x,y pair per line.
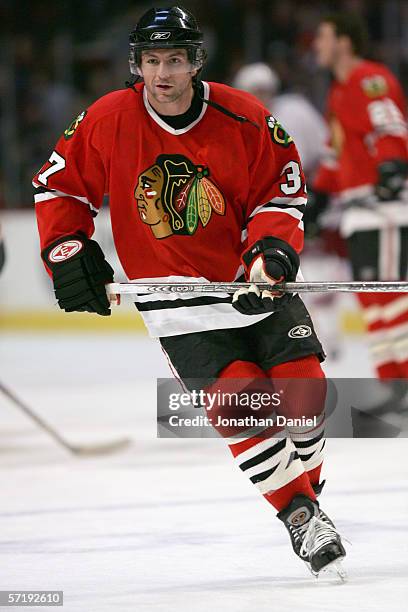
x,y
314,537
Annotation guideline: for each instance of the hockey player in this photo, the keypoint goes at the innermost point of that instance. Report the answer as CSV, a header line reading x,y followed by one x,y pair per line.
x,y
203,185
367,168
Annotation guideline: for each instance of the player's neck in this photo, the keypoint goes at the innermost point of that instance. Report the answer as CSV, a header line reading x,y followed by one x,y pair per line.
x,y
345,66
178,107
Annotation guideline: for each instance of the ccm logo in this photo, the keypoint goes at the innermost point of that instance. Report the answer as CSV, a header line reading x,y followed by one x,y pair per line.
x,y
160,35
65,250
300,331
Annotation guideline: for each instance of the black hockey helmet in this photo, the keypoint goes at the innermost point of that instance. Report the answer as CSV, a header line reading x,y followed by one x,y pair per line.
x,y
161,28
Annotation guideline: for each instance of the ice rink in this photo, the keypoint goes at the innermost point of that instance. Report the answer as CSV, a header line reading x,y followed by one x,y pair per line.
x,y
173,525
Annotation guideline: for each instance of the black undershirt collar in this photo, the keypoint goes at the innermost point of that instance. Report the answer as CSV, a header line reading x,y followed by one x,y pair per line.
x,y
178,122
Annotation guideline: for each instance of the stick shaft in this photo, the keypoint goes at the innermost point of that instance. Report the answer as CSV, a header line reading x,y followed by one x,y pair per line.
x,y
301,287
34,416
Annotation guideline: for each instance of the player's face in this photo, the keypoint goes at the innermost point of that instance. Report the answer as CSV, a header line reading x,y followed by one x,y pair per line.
x,y
167,74
326,45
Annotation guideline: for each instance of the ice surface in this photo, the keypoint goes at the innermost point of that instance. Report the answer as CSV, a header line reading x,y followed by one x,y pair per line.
x,y
173,525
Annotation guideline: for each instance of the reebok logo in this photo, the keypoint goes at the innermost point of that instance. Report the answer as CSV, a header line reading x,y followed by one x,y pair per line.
x,y
300,331
65,250
160,35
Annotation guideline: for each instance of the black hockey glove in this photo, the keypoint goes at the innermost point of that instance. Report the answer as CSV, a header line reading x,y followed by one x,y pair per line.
x,y
79,271
317,203
392,175
269,260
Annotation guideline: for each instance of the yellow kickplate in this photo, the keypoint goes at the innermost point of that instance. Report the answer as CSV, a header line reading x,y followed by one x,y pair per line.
x,y
54,321
352,322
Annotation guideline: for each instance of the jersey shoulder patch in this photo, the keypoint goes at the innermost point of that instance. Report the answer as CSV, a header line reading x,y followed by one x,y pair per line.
x,y
73,126
278,133
374,86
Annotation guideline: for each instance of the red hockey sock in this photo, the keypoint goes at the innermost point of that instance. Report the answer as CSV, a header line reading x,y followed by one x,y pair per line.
x,y
314,474
305,387
271,462
281,498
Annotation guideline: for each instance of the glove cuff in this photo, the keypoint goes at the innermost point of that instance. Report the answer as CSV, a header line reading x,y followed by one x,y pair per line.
x,y
392,175
63,249
276,253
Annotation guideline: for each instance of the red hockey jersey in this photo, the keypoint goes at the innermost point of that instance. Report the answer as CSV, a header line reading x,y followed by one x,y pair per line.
x,y
185,203
367,120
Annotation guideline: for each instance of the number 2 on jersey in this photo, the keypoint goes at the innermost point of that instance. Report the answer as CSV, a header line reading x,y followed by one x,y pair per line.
x,y
58,163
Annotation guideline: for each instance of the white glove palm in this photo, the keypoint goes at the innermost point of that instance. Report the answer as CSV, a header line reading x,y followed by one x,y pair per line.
x,y
253,297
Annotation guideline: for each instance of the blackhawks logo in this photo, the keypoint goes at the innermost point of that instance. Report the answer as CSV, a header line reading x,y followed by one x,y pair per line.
x,y
71,129
278,134
374,86
174,196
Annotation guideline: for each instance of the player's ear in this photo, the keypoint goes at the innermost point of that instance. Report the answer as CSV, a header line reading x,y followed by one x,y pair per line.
x,y
139,71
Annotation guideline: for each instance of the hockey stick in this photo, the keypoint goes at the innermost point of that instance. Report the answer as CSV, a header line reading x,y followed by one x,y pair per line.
x,y
76,449
114,289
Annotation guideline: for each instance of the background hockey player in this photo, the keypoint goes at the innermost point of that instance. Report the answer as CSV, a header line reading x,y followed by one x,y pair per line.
x,y
190,166
367,169
292,109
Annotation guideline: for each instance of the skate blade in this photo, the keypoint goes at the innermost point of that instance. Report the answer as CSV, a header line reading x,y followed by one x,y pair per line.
x,y
335,568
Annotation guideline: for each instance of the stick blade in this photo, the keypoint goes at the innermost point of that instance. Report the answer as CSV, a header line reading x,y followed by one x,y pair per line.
x,y
102,448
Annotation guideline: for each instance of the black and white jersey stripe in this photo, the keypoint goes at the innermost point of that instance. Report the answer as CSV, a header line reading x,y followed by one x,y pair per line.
x,y
184,313
171,314
294,207
45,194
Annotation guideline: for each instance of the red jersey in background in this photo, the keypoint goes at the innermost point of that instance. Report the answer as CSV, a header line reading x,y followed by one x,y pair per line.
x,y
368,125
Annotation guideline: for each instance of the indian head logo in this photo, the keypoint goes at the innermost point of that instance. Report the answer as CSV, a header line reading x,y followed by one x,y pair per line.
x,y
174,195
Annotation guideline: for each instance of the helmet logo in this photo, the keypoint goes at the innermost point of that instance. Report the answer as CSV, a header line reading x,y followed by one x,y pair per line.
x,y
160,35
